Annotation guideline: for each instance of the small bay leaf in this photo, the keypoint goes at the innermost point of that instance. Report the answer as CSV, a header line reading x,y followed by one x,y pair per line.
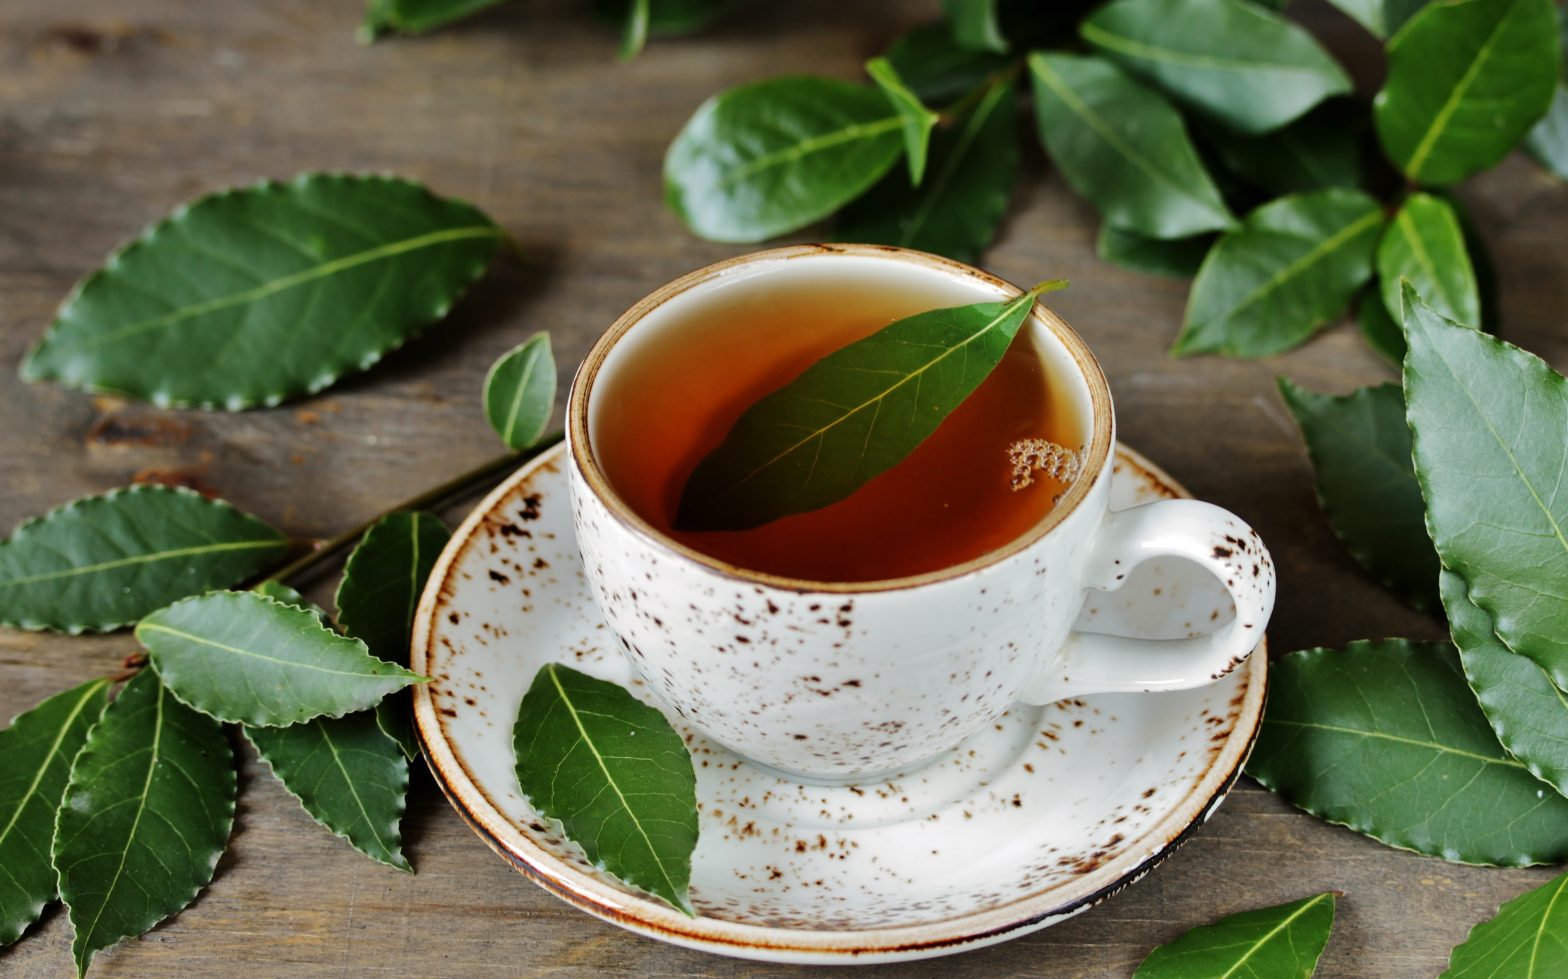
x,y
615,775
917,121
850,416
1292,266
1381,17
520,392
1527,711
1123,147
415,16
634,29
252,296
1526,939
1278,942
1489,425
145,817
1425,244
1366,484
974,162
348,775
245,658
102,562
382,581
1466,81
771,157
1177,258
36,752
936,68
1237,62
975,24
1386,738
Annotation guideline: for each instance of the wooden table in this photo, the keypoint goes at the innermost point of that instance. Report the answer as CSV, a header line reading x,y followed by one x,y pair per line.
x,y
111,113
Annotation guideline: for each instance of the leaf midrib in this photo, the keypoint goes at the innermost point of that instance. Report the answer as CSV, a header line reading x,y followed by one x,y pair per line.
x,y
1081,109
916,375
301,277
1142,49
1540,929
582,733
1412,236
1440,120
142,559
813,144
54,748
530,358
1399,739
202,640
1265,939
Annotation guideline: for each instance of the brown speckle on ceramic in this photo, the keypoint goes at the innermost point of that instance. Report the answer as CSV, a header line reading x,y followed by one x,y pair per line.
x,y
1040,814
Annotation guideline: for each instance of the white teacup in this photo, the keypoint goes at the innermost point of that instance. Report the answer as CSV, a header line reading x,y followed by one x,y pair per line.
x,y
852,681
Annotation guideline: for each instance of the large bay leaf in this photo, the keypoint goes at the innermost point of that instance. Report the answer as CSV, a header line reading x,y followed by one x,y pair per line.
x,y
1425,244
1527,711
519,392
1467,80
1490,433
1320,150
145,817
1386,738
348,775
1382,17
1240,63
1292,266
415,16
255,295
1366,484
975,24
1123,147
850,416
102,562
957,210
936,68
1269,943
1178,258
248,659
615,775
36,752
771,157
382,581
1526,939
916,121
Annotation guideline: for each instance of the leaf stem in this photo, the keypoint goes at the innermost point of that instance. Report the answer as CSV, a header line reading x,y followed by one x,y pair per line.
x,y
453,489
1049,285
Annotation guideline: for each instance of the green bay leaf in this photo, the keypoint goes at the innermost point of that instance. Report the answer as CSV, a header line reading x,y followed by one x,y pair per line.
x,y
850,416
976,24
264,293
382,581
1386,738
519,392
145,817
1278,942
1177,258
1123,147
102,562
956,211
1360,450
1526,939
936,68
1548,141
347,774
1292,266
1320,150
1527,711
1381,17
1467,80
248,659
415,16
634,29
1378,327
1237,62
36,752
1425,244
771,157
916,120
665,17
614,774
1489,425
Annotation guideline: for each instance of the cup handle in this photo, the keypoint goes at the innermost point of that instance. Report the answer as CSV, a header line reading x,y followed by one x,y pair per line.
x,y
1092,662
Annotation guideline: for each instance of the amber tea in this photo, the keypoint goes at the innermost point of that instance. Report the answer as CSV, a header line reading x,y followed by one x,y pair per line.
x,y
988,474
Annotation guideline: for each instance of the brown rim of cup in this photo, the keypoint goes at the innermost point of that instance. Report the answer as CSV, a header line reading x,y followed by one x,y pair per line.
x,y
588,465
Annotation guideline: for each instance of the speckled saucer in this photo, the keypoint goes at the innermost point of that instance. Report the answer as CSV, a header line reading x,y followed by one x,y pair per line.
x,y
1053,810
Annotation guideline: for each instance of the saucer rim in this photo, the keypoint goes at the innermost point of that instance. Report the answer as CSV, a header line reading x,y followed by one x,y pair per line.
x,y
650,917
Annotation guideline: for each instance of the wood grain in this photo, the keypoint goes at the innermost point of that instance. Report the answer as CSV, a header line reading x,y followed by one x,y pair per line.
x,y
111,113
